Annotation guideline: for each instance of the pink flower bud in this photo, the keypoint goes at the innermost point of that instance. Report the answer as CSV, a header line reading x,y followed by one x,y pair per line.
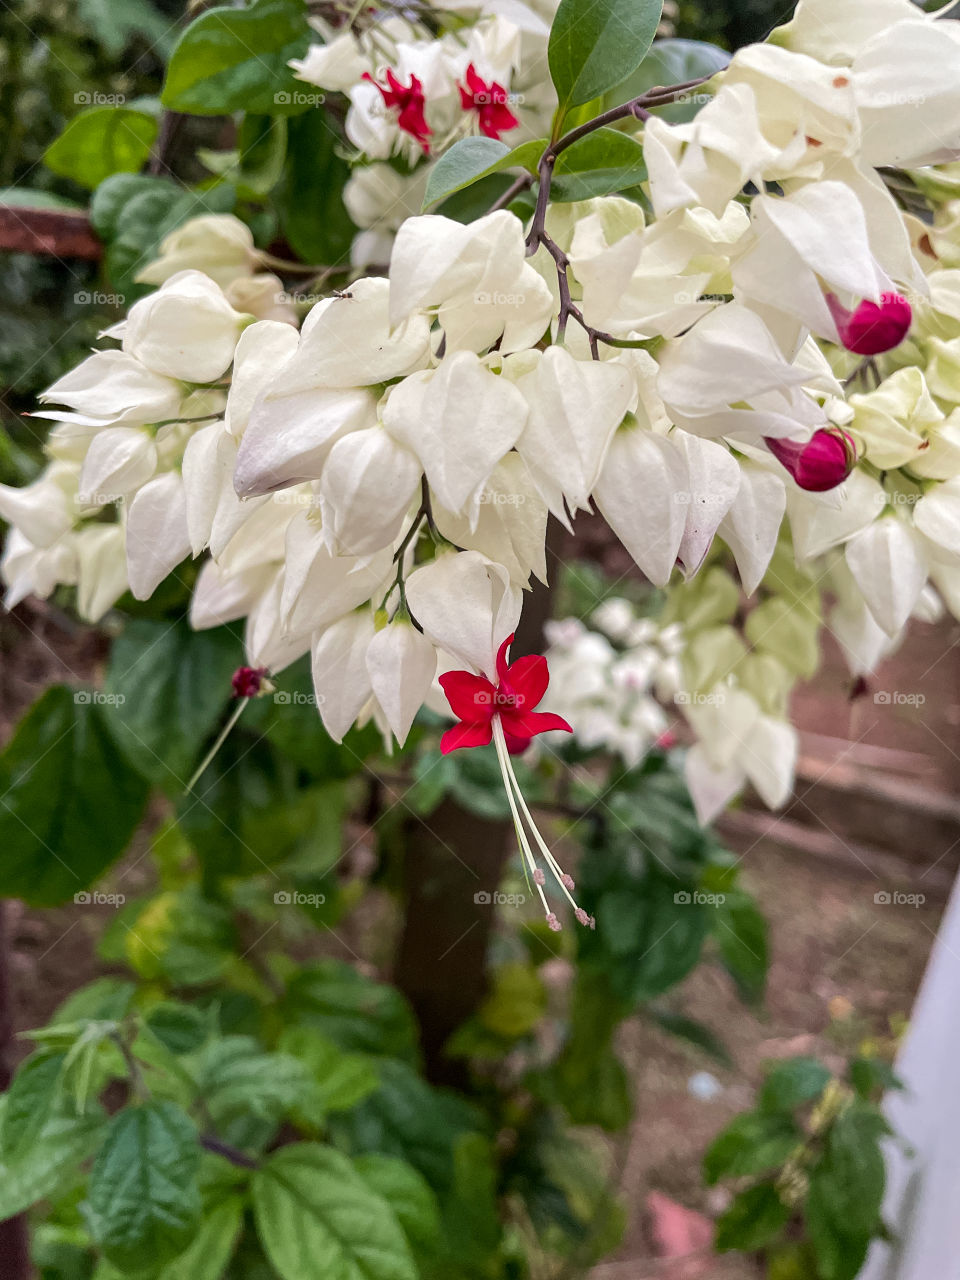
x,y
554,923
246,681
567,881
821,463
873,327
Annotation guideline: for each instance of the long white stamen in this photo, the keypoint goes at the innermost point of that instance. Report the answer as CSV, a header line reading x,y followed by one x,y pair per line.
x,y
503,757
514,794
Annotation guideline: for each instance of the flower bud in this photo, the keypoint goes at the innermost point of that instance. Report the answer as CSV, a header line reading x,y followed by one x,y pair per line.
x,y
248,681
820,463
873,327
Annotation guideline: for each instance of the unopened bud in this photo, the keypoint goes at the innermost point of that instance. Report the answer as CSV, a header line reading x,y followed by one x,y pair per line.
x,y
873,327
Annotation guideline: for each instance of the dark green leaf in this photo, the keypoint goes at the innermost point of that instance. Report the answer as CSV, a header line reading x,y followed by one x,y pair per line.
x,y
754,1220
313,216
342,1078
742,938
51,1160
101,141
236,1078
179,1027
598,165
131,213
407,1118
208,1253
693,1032
116,22
144,1204
236,60
753,1143
871,1077
407,1194
353,1010
793,1083
30,1101
473,158
171,685
317,1216
673,62
595,44
70,800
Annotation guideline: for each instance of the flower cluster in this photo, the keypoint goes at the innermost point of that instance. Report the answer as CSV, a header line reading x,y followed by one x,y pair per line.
x,y
374,487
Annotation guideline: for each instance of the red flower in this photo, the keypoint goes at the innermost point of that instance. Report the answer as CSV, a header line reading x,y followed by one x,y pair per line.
x,y
821,463
872,328
490,103
410,104
246,681
475,702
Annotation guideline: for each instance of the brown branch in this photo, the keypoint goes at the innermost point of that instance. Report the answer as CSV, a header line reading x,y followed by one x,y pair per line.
x,y
57,233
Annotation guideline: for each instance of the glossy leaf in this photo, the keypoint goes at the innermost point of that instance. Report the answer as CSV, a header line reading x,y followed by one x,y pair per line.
x,y
171,685
236,60
101,141
313,216
598,165
317,1216
595,44
144,1205
71,800
471,159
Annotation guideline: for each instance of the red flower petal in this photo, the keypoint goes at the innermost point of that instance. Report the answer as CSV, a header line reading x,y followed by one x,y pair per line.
x,y
465,735
525,724
528,678
502,668
470,696
474,83
516,746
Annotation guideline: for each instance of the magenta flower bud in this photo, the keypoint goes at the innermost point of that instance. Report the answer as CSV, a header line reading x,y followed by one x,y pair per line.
x,y
246,681
819,464
873,327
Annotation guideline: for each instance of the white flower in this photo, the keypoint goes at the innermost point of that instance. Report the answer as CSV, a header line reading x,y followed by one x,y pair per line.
x,y
218,244
467,605
186,330
401,663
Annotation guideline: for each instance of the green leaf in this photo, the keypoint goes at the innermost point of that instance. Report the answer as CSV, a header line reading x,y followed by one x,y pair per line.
x,y
237,1078
342,1079
517,1002
595,44
653,934
317,1216
207,1255
179,1027
673,62
598,165
171,685
313,216
353,1010
741,933
131,213
70,800
793,1084
753,1143
407,1118
116,22
407,1194
143,1200
471,159
873,1076
236,60
101,141
754,1220
789,632
52,1159
693,1032
30,1099
849,1178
